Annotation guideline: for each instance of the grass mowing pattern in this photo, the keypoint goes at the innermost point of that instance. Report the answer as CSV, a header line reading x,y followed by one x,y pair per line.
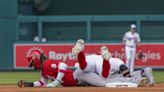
x,y
159,76
13,77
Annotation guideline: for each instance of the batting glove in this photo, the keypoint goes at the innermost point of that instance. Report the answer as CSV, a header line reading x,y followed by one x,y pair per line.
x,y
53,84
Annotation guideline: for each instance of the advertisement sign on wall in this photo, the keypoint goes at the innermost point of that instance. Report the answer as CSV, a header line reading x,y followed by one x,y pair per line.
x,y
153,53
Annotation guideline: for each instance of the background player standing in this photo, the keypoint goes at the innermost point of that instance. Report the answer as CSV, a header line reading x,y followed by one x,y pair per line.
x,y
131,39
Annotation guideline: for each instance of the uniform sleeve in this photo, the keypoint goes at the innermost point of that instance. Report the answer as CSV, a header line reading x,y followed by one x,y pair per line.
x,y
40,83
124,37
62,70
138,38
62,67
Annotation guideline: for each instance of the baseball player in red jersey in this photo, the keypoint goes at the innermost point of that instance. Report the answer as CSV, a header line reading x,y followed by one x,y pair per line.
x,y
52,70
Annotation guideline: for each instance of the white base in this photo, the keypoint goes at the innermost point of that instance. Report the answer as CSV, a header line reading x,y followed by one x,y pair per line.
x,y
121,84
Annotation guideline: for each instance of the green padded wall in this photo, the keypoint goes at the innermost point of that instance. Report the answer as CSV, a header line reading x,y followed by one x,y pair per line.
x,y
8,16
99,7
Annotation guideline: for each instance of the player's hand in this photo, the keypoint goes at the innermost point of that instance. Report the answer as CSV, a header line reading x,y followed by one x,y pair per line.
x,y
53,84
50,85
21,83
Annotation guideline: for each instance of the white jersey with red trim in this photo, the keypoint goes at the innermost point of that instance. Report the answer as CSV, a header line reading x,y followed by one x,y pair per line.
x,y
94,74
131,39
95,63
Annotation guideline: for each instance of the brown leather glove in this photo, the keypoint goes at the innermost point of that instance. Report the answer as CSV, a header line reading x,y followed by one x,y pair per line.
x,y
22,83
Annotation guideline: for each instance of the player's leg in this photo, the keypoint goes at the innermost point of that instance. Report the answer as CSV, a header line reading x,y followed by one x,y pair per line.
x,y
127,52
93,79
147,72
85,62
136,76
78,51
132,58
106,66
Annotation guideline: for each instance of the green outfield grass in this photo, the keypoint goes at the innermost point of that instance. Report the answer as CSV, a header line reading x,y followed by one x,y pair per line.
x,y
159,76
13,77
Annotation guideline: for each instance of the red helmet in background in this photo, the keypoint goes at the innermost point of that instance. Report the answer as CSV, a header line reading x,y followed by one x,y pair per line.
x,y
35,57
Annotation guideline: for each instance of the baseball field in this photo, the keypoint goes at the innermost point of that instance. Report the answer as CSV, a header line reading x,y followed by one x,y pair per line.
x,y
8,84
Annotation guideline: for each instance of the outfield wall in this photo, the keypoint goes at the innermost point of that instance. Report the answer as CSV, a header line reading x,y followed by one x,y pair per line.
x,y
70,20
153,53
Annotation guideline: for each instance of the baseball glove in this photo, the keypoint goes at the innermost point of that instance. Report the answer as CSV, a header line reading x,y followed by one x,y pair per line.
x,y
140,55
22,83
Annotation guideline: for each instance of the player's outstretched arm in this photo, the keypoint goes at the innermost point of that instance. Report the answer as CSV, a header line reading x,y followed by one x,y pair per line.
x,y
23,83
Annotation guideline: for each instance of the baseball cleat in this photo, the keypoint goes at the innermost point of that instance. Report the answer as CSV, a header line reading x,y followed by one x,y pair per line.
x,y
149,75
79,46
105,53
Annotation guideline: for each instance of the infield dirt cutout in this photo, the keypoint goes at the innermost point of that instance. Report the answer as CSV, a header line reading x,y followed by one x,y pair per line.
x,y
13,88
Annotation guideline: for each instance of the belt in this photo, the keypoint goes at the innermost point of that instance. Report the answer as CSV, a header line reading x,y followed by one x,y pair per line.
x,y
130,46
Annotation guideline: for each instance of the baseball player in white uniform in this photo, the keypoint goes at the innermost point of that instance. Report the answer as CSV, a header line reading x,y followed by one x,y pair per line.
x,y
99,70
131,39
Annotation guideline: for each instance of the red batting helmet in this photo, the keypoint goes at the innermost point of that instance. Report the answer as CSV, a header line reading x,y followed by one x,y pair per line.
x,y
35,57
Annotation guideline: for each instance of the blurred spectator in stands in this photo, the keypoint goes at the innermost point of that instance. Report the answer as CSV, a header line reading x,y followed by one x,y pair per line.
x,y
37,39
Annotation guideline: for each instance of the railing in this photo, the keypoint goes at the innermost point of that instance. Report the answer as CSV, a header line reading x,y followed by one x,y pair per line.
x,y
87,19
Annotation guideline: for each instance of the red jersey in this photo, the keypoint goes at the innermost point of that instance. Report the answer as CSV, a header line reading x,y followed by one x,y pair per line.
x,y
50,72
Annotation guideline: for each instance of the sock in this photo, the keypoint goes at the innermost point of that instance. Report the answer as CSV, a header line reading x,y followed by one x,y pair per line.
x,y
82,61
106,68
